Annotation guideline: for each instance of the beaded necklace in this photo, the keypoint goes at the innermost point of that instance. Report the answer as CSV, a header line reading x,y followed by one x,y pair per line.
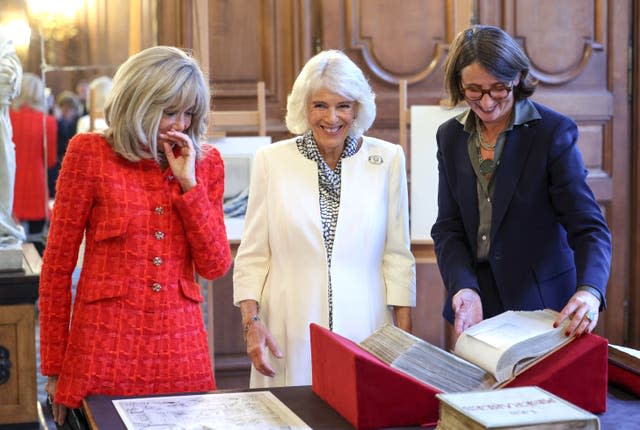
x,y
487,166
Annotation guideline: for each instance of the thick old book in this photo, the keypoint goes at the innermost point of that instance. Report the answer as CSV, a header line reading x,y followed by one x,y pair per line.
x,y
512,408
487,355
508,343
624,368
370,393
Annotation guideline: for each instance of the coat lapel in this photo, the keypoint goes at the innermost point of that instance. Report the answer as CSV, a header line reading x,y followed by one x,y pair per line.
x,y
514,156
466,182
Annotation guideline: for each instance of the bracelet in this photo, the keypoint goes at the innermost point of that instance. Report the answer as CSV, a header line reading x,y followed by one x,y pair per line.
x,y
251,321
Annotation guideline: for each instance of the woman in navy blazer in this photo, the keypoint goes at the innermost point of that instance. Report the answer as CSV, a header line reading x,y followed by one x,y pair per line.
x,y
518,227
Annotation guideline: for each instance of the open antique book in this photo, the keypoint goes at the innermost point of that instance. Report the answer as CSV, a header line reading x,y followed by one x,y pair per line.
x,y
485,356
625,357
512,408
624,368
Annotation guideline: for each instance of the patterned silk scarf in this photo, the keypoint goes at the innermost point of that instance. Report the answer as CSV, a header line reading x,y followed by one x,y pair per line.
x,y
329,183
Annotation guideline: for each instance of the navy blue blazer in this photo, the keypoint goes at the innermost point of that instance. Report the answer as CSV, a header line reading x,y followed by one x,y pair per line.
x,y
548,235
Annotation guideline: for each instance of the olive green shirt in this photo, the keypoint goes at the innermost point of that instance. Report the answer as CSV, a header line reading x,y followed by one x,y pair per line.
x,y
523,112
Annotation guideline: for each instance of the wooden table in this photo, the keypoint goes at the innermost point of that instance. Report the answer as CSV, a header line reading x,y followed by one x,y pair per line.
x,y
623,410
102,415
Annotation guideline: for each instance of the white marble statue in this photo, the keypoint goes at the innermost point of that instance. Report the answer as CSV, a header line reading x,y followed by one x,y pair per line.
x,y
10,80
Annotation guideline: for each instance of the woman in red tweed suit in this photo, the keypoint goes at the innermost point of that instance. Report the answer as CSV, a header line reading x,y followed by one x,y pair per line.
x,y
30,189
148,197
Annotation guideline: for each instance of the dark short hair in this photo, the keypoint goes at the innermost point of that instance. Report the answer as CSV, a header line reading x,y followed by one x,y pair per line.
x,y
68,98
496,51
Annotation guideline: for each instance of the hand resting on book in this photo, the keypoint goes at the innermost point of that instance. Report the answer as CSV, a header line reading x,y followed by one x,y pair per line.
x,y
467,306
581,311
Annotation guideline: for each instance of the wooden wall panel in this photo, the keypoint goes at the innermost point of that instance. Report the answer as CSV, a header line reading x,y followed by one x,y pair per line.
x,y
617,147
591,138
239,49
391,52
18,395
413,50
633,310
253,41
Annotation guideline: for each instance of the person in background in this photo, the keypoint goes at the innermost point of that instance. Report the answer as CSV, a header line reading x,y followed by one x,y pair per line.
x,y
518,227
148,195
68,107
326,236
31,194
99,89
82,91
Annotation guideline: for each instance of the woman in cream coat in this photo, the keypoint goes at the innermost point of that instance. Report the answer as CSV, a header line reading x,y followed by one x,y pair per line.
x,y
326,236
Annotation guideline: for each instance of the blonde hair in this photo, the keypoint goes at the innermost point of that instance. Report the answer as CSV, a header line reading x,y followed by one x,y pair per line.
x,y
31,93
149,83
334,71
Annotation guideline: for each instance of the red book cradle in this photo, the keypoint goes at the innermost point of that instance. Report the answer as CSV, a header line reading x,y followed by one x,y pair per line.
x,y
625,379
370,394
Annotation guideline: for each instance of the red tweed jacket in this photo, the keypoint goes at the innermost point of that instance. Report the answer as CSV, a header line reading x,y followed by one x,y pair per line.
x,y
30,186
136,326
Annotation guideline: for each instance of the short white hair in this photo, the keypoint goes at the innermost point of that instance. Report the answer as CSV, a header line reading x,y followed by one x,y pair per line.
x,y
335,72
101,87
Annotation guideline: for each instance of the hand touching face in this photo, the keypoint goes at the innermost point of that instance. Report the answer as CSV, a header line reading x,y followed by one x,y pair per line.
x,y
171,134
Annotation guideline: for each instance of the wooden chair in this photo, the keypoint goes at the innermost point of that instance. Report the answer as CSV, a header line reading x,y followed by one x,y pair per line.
x,y
404,114
236,120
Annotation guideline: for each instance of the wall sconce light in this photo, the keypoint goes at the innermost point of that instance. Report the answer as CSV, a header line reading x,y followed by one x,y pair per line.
x,y
55,20
16,27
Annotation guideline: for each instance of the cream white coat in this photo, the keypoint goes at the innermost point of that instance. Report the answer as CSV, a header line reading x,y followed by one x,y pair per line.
x,y
282,262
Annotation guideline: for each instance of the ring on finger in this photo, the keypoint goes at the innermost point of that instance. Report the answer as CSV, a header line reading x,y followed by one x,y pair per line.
x,y
591,315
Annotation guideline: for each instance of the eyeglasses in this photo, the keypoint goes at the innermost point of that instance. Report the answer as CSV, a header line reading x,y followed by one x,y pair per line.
x,y
474,93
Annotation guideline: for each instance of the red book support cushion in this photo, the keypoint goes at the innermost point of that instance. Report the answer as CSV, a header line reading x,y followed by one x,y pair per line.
x,y
625,379
370,394
364,390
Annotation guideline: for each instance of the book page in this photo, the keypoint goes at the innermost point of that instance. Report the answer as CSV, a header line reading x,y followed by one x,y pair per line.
x,y
487,342
633,352
625,357
257,410
425,362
